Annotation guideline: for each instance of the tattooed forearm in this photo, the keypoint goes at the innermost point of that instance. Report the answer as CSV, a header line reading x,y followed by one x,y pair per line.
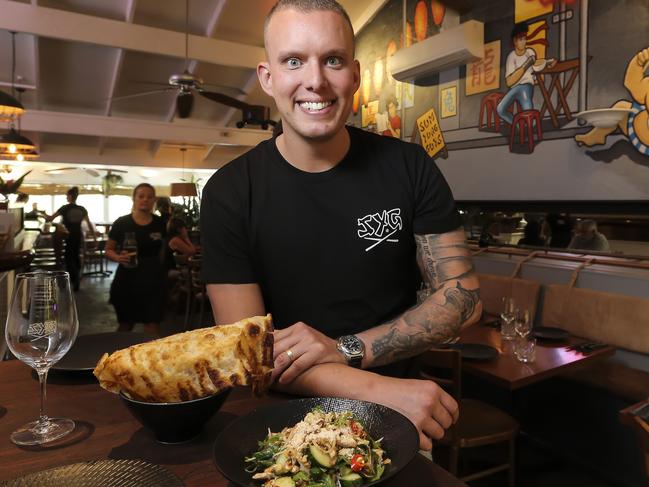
x,y
440,260
425,325
445,262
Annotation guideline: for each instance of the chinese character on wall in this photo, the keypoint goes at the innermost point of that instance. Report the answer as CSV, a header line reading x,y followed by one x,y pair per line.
x,y
484,74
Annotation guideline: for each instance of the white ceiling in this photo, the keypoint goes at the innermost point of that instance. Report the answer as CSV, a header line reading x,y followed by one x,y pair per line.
x,y
75,55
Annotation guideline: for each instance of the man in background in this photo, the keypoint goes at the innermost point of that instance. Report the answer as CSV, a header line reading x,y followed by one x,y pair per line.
x,y
588,238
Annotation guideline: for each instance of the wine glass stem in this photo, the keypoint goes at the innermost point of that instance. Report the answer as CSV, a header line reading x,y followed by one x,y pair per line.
x,y
42,379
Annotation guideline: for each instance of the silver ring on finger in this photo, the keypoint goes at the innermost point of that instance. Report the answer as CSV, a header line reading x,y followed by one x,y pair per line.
x,y
290,355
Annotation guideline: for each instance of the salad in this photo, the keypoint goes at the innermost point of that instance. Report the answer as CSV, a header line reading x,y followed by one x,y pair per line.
x,y
322,450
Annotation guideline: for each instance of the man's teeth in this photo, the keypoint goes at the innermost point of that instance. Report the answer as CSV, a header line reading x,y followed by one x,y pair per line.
x,y
319,105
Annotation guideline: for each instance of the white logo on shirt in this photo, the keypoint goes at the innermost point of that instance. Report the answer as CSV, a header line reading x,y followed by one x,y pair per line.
x,y
379,227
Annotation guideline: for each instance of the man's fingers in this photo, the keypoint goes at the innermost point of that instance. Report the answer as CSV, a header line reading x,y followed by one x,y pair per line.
x,y
425,443
450,405
432,429
281,363
299,365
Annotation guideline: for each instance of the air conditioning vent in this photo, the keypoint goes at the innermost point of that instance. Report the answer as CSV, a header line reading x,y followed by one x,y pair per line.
x,y
448,49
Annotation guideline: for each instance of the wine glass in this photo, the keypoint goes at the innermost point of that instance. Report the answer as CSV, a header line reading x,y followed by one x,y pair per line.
x,y
508,315
523,323
41,327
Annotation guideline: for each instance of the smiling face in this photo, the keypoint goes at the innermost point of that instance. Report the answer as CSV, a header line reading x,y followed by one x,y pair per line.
x,y
311,72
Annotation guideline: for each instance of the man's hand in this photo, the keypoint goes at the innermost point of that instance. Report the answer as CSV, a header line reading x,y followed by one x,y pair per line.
x,y
307,346
431,409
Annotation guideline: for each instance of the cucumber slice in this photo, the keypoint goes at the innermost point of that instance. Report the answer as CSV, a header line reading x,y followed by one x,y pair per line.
x,y
321,457
283,482
351,480
280,465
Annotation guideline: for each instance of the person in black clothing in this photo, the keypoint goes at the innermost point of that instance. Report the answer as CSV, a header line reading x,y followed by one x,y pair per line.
x,y
138,290
163,205
532,235
73,215
331,229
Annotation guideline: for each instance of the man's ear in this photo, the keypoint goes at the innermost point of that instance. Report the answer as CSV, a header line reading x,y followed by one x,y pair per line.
x,y
263,73
357,75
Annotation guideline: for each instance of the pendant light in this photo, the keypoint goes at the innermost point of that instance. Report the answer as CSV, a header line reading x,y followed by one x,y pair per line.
x,y
10,108
184,188
12,143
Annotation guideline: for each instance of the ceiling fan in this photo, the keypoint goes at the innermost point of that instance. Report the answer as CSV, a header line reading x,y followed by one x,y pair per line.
x,y
186,84
92,172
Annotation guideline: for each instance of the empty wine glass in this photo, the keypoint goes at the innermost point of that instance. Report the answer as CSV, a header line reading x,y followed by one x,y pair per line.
x,y
41,327
523,323
508,316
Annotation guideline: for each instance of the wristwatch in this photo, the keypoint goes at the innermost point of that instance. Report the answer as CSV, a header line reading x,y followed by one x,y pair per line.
x,y
352,348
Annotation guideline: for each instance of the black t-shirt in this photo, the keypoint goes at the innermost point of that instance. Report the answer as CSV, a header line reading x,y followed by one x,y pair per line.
x,y
150,238
73,215
334,249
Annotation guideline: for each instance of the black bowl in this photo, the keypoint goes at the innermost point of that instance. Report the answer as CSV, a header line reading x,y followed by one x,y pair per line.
x,y
176,422
239,439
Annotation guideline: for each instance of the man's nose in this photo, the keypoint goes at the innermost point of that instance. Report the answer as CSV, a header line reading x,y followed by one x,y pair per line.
x,y
315,76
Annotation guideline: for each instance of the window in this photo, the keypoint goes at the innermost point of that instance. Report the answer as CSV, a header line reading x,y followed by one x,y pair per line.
x,y
118,205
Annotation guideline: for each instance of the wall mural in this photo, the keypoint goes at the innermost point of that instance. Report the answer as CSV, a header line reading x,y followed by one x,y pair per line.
x,y
635,123
526,90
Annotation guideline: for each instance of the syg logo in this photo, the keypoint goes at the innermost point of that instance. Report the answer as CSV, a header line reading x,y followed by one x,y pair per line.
x,y
41,330
379,227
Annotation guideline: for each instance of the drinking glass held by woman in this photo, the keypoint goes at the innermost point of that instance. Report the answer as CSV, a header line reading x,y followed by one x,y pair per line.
x,y
136,243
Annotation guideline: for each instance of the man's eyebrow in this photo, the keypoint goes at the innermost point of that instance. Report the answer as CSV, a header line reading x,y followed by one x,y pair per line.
x,y
298,54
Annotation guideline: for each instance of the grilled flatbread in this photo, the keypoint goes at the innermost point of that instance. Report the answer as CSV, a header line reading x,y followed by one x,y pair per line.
x,y
193,364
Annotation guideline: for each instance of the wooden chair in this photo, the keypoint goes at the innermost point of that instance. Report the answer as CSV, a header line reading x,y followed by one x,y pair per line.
x,y
479,423
198,294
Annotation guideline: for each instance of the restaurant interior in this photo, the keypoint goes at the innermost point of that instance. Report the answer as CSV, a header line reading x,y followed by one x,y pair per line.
x,y
554,199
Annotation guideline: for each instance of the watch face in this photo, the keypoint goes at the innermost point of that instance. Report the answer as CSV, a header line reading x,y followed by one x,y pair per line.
x,y
352,345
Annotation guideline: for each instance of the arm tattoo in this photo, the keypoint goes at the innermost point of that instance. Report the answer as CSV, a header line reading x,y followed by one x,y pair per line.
x,y
444,264
426,325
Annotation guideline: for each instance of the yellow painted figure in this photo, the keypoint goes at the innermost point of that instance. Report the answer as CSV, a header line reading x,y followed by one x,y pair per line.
x,y
635,125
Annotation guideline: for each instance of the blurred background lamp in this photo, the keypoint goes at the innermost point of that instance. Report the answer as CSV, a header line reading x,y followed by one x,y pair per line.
x,y
12,143
10,108
183,189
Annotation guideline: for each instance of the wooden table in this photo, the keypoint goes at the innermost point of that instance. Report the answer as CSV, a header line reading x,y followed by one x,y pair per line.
x,y
105,429
552,358
571,68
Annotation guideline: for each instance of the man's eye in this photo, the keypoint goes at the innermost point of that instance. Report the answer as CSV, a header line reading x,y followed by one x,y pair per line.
x,y
334,61
293,62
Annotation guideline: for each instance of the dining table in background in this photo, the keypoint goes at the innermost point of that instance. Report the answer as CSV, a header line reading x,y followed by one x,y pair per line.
x,y
552,358
95,249
106,430
562,77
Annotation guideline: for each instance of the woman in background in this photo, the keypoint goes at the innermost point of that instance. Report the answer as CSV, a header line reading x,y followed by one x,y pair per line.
x,y
136,243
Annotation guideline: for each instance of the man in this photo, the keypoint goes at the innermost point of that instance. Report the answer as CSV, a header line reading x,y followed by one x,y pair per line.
x,y
588,238
73,215
323,226
519,73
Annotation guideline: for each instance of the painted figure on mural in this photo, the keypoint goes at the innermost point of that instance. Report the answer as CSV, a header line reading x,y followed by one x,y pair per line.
x,y
520,66
635,125
393,128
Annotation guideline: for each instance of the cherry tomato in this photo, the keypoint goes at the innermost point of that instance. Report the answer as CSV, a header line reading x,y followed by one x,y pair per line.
x,y
357,462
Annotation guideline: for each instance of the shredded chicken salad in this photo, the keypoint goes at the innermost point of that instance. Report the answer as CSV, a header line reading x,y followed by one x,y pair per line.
x,y
322,450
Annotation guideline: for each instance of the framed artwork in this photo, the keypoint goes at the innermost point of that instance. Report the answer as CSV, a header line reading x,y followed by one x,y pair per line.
x,y
448,102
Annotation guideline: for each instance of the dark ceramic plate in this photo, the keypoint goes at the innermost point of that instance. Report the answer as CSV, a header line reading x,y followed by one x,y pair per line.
x,y
550,333
125,473
88,349
475,351
239,439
